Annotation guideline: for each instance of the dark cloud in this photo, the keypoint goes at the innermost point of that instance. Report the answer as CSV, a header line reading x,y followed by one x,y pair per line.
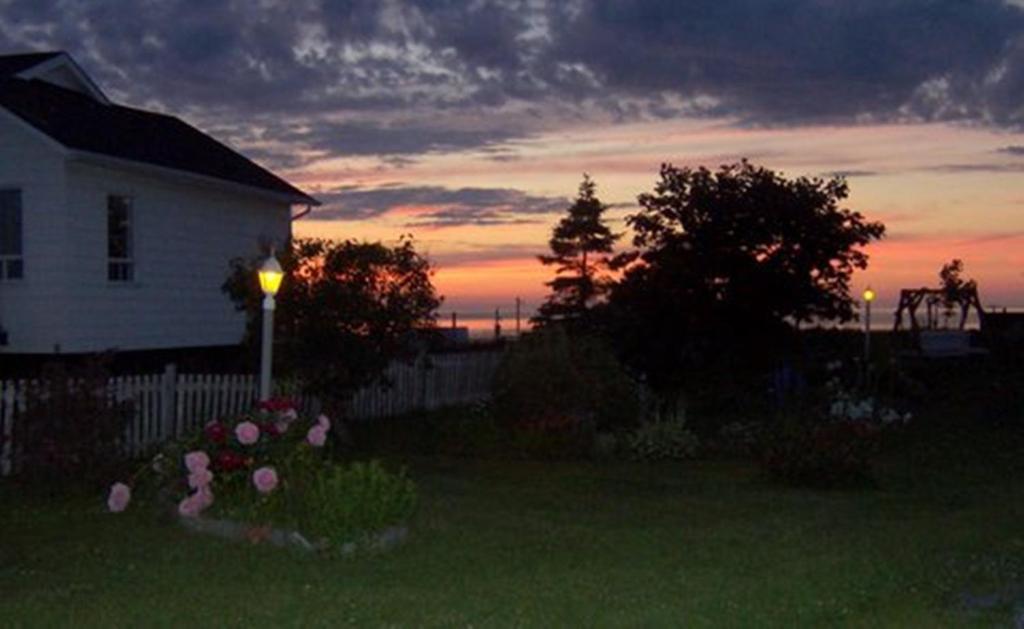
x,y
362,77
851,173
446,207
977,168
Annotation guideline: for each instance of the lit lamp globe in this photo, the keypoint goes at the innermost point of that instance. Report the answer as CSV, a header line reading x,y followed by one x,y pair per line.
x,y
869,295
271,275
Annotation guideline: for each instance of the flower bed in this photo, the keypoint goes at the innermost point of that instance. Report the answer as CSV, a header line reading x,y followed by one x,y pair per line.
x,y
265,477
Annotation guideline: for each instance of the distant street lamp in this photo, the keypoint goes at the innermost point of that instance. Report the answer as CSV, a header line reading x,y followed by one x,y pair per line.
x,y
271,275
869,296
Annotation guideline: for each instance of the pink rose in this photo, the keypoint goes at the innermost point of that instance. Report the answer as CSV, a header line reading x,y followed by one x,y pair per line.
x,y
190,506
247,433
323,421
120,496
196,461
289,415
200,478
316,436
203,496
265,479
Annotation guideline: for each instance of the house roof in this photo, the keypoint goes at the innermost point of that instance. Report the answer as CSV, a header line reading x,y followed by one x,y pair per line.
x,y
11,65
80,122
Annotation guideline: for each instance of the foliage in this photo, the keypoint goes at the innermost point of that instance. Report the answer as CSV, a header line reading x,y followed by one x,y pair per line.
x,y
554,393
72,428
345,309
663,439
956,291
580,244
725,262
345,502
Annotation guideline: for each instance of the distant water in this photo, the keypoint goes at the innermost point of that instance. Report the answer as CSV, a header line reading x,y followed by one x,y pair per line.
x,y
481,325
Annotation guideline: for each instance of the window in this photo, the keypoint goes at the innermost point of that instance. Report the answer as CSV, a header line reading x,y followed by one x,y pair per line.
x,y
12,264
120,248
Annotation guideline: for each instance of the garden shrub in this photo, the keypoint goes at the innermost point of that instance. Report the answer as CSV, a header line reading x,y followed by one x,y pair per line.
x,y
345,502
268,468
553,392
72,428
663,439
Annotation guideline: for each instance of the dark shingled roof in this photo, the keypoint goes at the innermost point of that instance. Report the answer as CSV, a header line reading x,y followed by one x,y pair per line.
x,y
79,122
13,64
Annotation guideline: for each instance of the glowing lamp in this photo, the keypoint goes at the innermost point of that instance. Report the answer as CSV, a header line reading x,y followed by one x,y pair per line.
x,y
271,275
869,295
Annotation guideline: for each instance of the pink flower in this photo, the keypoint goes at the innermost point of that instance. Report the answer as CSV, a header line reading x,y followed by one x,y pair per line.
x,y
265,479
289,415
247,433
196,461
281,427
323,421
316,436
120,496
200,478
204,496
190,506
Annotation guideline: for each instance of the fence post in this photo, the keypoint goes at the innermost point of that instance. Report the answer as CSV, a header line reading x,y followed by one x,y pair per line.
x,y
168,408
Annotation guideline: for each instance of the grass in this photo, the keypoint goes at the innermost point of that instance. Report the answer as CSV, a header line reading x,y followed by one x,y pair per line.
x,y
567,544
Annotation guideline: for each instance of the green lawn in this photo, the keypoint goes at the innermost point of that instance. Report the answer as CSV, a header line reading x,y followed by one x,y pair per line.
x,y
568,544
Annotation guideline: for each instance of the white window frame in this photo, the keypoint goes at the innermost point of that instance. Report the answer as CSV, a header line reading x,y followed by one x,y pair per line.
x,y
7,261
121,270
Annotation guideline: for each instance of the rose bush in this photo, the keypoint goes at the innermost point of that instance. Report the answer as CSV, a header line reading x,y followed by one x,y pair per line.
x,y
236,465
267,468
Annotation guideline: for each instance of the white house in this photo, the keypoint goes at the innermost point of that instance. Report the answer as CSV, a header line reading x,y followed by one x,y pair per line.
x,y
117,224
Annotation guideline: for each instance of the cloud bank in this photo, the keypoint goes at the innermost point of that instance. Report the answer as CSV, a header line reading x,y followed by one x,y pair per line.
x,y
305,79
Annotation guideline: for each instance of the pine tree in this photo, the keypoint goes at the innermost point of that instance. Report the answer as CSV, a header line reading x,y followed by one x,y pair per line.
x,y
580,244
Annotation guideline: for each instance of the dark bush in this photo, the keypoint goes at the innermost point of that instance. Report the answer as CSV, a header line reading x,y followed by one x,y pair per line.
x,y
833,454
554,392
72,428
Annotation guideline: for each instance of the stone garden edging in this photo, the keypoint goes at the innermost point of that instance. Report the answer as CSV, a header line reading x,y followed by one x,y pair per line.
x,y
382,540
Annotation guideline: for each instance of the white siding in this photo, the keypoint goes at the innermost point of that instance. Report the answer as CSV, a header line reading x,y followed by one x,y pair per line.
x,y
33,307
184,235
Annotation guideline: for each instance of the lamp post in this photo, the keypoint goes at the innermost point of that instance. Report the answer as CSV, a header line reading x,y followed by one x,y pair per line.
x,y
271,275
869,296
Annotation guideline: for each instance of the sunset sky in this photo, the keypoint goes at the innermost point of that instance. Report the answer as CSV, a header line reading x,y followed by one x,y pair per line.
x,y
469,124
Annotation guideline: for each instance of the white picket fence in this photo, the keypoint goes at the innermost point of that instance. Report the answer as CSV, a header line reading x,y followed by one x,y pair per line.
x,y
169,405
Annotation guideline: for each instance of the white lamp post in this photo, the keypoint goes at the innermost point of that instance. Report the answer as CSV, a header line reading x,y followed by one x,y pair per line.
x,y
869,296
271,275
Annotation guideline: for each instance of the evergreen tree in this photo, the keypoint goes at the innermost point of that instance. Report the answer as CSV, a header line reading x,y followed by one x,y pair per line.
x,y
580,244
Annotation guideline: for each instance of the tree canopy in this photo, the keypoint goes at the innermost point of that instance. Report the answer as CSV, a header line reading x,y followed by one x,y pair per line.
x,y
345,309
728,261
580,246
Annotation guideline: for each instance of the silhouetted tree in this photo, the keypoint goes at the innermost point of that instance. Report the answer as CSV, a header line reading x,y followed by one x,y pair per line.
x,y
954,287
580,244
344,312
726,262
